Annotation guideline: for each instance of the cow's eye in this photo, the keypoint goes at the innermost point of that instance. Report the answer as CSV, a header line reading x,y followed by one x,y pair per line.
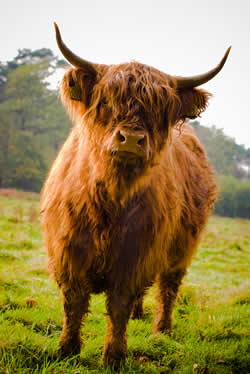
x,y
104,101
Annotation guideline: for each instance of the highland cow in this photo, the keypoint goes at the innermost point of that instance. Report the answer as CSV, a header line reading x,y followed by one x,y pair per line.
x,y
128,196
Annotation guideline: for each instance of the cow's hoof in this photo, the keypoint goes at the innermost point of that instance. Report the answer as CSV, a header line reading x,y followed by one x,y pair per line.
x,y
68,349
137,314
112,358
163,331
163,327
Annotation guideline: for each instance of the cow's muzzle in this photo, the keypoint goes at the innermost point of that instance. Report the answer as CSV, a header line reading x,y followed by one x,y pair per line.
x,y
129,144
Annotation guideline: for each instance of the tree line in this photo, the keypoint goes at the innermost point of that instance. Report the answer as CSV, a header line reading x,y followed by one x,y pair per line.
x,y
227,157
33,123
33,126
232,164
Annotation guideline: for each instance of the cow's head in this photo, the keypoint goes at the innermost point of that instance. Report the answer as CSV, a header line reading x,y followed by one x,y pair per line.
x,y
125,112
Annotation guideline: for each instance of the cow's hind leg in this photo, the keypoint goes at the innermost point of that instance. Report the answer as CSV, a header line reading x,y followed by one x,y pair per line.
x,y
75,303
137,312
168,285
119,308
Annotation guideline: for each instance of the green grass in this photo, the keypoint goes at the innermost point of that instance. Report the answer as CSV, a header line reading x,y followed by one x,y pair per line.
x,y
210,319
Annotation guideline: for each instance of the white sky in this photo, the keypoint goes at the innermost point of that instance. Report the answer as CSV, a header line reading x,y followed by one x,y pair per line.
x,y
179,37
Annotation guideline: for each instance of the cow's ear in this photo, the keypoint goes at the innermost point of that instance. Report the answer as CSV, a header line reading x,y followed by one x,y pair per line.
x,y
192,102
77,85
80,85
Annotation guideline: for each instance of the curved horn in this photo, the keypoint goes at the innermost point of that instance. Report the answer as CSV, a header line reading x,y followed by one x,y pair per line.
x,y
191,82
70,56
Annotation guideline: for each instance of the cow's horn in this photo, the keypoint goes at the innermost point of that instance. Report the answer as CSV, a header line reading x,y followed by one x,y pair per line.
x,y
76,61
191,82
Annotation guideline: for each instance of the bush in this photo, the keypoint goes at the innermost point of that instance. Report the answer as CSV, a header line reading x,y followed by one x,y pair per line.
x,y
234,200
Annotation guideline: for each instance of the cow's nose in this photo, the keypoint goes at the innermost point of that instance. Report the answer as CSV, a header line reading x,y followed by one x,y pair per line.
x,y
130,141
135,140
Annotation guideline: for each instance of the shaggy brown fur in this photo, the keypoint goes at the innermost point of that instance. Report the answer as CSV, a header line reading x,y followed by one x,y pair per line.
x,y
114,226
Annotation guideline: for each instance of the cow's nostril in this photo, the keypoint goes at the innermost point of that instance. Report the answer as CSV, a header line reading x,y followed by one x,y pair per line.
x,y
141,141
120,137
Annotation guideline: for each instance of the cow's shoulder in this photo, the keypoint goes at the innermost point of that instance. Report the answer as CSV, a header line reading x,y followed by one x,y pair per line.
x,y
186,139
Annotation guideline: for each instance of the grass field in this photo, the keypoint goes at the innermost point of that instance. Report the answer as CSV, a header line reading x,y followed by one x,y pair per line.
x,y
210,319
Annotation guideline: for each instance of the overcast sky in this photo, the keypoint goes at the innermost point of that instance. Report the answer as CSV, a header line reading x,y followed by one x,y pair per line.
x,y
179,37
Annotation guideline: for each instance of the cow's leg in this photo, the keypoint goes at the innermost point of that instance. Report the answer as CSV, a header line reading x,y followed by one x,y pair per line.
x,y
168,284
75,303
119,308
138,308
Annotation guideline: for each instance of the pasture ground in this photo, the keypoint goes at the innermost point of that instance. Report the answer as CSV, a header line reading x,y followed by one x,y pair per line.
x,y
210,319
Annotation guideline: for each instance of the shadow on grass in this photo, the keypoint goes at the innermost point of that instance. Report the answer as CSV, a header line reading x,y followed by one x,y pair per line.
x,y
47,328
32,359
10,305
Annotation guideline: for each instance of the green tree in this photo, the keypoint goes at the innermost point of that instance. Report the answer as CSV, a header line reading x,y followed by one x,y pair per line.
x,y
30,117
234,200
223,152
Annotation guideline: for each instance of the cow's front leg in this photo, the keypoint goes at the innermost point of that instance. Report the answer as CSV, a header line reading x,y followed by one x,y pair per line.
x,y
75,303
118,312
168,286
